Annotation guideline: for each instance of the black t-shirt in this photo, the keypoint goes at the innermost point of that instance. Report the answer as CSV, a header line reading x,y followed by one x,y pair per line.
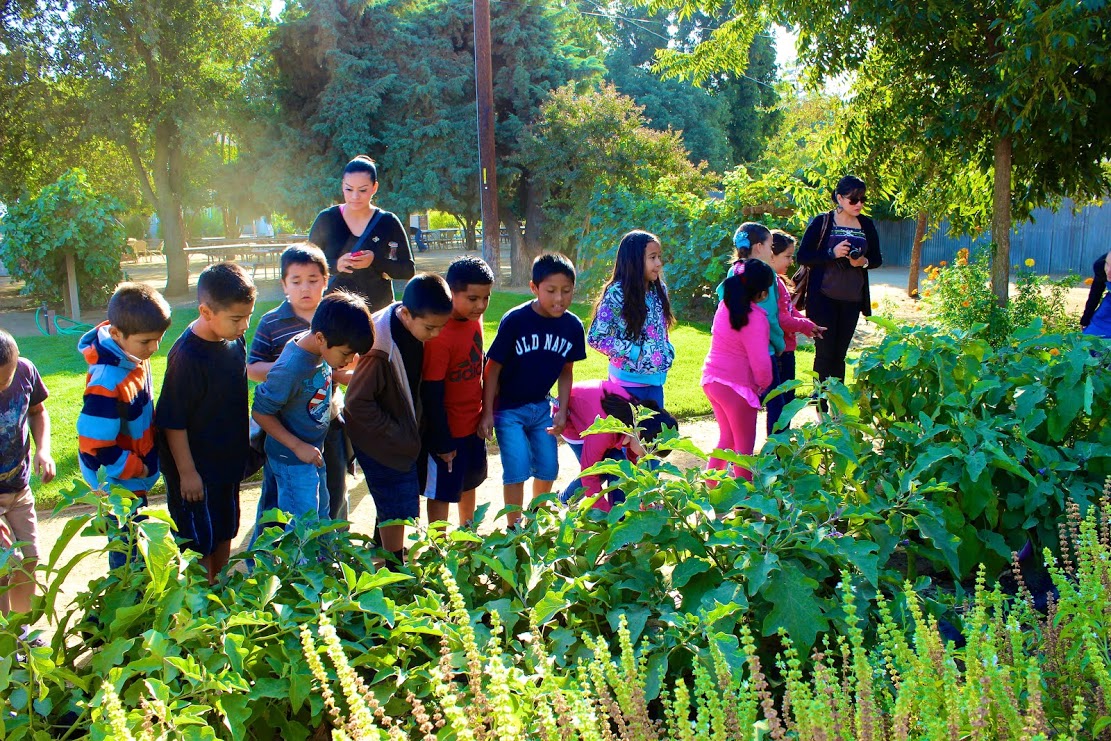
x,y
205,394
388,242
532,350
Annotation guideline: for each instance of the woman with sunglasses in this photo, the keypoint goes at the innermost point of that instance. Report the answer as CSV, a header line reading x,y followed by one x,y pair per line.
x,y
839,248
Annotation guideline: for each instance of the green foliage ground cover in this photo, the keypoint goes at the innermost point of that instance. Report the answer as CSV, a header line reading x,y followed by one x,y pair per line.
x,y
63,372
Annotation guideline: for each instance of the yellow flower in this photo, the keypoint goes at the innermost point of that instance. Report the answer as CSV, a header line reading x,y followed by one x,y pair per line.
x,y
926,293
943,263
914,292
875,304
1029,262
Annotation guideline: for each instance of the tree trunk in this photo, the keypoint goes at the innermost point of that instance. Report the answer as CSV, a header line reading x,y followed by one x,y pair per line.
x,y
532,245
1001,221
470,238
916,254
513,232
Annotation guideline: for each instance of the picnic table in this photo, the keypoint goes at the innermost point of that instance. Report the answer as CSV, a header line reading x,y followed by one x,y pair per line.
x,y
250,255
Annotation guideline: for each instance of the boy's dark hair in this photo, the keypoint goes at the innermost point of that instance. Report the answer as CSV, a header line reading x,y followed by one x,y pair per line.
x,y
781,241
362,163
224,284
549,264
9,351
621,408
344,319
136,308
468,271
304,253
741,289
427,294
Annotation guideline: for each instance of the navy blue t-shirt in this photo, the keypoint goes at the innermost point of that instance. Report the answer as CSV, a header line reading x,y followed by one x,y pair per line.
x,y
532,350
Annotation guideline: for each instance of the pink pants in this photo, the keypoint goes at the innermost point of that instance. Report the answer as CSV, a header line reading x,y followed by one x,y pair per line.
x,y
737,423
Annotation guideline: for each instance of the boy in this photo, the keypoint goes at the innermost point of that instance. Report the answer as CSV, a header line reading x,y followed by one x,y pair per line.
x,y
383,409
304,278
451,392
537,344
292,405
115,430
202,416
22,410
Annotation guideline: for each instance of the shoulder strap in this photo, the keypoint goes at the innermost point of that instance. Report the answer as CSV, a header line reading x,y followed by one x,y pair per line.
x,y
366,232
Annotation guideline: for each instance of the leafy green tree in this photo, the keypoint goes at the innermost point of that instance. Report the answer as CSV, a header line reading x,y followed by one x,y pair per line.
x,y
65,218
1020,89
155,78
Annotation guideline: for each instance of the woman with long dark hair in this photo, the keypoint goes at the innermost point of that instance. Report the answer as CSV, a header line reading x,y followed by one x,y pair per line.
x,y
839,248
366,247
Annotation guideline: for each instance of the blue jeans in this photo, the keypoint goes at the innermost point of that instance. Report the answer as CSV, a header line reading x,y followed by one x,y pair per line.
x,y
646,393
527,450
613,455
267,500
302,488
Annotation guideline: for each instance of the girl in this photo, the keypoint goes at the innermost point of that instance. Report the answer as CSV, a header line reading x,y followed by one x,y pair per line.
x,y
791,321
738,367
590,401
631,320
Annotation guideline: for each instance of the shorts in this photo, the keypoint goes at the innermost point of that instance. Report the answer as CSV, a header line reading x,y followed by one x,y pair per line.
x,y
18,522
467,471
207,523
527,450
396,494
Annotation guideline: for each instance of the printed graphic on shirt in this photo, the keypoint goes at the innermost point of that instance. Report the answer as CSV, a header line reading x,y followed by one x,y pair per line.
x,y
547,342
12,440
471,367
318,404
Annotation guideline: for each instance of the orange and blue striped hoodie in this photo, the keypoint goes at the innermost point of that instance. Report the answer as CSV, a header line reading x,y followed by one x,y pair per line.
x,y
115,429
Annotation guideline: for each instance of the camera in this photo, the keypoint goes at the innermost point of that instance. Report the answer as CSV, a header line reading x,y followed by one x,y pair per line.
x,y
856,252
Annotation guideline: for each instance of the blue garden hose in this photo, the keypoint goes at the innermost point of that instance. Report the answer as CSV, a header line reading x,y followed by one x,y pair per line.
x,y
63,325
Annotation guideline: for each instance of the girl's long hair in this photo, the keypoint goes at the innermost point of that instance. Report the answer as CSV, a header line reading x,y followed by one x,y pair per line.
x,y
629,269
741,288
748,234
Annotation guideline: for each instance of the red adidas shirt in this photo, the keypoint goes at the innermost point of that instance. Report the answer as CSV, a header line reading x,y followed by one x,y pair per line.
x,y
455,357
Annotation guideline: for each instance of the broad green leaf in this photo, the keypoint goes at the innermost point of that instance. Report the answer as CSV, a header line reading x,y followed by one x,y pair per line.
x,y
795,607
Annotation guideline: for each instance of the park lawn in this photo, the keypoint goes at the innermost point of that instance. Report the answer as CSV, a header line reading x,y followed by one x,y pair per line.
x,y
63,371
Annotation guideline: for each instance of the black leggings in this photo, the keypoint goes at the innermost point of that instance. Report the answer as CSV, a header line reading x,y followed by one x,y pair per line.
x,y
839,318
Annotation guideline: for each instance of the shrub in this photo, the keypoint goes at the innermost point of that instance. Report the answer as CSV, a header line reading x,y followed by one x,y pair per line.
x,y
1012,434
960,298
65,217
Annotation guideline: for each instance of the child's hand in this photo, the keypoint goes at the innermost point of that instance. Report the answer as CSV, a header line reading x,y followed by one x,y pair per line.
x,y
44,467
145,472
308,454
448,458
486,426
817,331
192,488
559,421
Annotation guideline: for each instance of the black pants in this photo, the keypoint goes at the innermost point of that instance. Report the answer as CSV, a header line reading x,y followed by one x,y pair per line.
x,y
839,318
784,364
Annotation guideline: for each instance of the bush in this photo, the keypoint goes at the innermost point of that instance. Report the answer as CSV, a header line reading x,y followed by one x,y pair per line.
x,y
65,217
1012,434
960,298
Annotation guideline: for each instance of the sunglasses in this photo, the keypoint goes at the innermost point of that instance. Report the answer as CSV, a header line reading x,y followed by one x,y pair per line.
x,y
853,201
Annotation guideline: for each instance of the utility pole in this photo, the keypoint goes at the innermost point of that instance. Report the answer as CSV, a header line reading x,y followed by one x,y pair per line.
x,y
484,94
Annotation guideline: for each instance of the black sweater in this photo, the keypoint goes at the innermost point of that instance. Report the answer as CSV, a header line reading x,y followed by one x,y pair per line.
x,y
818,257
1095,294
330,233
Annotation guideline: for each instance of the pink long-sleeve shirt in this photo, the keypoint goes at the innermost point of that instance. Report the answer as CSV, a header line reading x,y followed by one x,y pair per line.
x,y
584,408
791,319
740,359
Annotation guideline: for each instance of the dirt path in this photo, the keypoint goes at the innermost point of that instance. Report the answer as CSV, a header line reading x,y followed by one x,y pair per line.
x,y
703,432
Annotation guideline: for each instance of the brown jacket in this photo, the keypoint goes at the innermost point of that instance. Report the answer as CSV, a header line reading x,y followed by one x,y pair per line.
x,y
381,412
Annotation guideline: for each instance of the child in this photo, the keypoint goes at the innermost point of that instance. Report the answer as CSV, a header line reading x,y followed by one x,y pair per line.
x,y
292,405
202,416
738,368
115,429
791,321
632,317
304,278
23,418
537,344
1096,319
383,409
590,401
451,391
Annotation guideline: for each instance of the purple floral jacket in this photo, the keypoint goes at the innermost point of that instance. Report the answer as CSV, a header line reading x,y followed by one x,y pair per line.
x,y
645,359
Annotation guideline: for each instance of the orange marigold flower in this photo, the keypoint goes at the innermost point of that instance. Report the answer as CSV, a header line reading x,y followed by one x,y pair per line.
x,y
966,303
1088,281
1054,351
943,263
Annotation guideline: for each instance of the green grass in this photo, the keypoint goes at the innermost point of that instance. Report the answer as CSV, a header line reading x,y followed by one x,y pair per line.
x,y
63,371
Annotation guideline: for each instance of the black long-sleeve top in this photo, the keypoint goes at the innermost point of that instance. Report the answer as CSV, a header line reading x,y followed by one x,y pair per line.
x,y
393,258
1095,293
818,256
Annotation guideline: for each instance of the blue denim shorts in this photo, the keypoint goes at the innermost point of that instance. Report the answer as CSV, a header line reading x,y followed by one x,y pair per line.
x,y
302,488
396,494
527,450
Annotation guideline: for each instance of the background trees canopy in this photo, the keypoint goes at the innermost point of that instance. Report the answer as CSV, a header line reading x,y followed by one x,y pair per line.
x,y
1020,89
